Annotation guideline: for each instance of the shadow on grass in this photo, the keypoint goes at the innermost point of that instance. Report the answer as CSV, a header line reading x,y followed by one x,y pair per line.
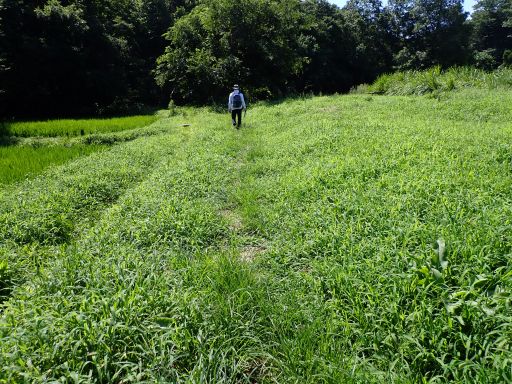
x,y
6,141
5,294
5,138
6,283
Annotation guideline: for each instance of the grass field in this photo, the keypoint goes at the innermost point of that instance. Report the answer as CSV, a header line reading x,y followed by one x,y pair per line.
x,y
347,239
69,127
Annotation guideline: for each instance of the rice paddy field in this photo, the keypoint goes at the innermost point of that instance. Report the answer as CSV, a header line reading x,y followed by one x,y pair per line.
x,y
29,148
20,162
343,239
73,127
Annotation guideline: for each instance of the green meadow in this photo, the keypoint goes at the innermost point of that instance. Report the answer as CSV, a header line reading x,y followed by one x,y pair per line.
x,y
343,239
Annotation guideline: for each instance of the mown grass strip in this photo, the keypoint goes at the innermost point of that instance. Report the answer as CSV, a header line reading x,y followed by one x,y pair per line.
x,y
169,229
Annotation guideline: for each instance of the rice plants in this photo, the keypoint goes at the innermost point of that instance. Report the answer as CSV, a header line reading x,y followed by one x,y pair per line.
x,y
70,127
19,162
26,152
379,239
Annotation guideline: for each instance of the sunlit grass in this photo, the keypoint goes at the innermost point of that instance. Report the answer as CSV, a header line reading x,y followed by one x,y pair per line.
x,y
347,239
416,82
70,127
20,162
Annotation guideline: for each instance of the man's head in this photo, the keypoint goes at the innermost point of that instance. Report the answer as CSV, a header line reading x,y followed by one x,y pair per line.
x,y
236,87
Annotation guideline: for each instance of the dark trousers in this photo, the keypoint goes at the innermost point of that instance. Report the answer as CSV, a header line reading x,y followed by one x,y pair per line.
x,y
234,114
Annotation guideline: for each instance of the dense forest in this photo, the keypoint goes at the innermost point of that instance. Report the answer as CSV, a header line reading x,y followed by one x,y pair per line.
x,y
105,57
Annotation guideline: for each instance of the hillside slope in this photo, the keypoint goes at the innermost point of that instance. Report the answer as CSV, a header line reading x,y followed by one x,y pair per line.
x,y
332,239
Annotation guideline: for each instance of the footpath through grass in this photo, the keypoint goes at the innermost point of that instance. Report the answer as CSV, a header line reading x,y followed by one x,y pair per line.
x,y
344,239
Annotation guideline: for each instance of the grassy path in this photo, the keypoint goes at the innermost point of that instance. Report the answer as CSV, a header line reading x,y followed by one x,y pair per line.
x,y
344,239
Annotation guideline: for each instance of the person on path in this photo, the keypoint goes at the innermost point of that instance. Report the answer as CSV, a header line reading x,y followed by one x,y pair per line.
x,y
236,103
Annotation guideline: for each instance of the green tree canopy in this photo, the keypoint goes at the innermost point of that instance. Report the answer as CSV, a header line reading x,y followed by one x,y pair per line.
x,y
370,26
76,57
492,33
254,42
429,32
81,57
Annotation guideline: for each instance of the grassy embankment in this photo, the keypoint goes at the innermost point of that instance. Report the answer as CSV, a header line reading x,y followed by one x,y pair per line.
x,y
434,81
333,239
28,148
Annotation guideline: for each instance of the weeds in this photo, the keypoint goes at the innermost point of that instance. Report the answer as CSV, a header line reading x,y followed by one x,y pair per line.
x,y
423,82
386,258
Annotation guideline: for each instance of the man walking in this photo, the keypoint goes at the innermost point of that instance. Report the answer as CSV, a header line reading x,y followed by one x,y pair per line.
x,y
236,103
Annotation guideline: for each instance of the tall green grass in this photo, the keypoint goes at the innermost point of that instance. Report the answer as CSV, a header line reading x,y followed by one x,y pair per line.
x,y
20,162
53,128
22,157
415,82
345,239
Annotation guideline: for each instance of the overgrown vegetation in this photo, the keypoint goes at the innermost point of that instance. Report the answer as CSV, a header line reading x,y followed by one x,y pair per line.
x,y
436,80
332,239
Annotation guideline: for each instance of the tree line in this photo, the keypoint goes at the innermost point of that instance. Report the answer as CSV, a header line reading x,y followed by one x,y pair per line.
x,y
104,57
